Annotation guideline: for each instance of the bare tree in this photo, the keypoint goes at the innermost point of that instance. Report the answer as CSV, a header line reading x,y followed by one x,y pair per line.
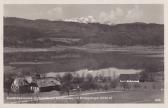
x,y
67,82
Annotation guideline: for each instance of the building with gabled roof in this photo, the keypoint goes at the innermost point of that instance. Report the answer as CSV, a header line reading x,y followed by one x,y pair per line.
x,y
129,78
48,84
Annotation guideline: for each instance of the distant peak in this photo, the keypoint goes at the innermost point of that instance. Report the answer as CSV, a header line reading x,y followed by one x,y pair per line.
x,y
87,19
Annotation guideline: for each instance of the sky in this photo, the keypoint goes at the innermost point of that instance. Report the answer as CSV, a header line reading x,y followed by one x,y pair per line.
x,y
102,13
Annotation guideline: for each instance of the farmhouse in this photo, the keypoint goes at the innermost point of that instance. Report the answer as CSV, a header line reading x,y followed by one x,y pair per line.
x,y
18,85
129,78
48,84
23,85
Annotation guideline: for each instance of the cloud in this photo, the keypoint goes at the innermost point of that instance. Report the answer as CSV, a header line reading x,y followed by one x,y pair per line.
x,y
134,15
119,12
119,15
112,17
55,13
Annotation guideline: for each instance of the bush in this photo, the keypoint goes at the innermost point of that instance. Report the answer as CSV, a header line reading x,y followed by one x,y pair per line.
x,y
146,76
114,83
88,85
106,87
66,81
125,85
89,78
137,85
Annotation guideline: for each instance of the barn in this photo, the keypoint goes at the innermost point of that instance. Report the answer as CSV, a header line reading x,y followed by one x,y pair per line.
x,y
48,84
18,85
23,85
129,78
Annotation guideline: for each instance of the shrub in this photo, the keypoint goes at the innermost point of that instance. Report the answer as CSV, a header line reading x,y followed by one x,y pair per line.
x,y
125,85
67,82
106,87
114,83
137,85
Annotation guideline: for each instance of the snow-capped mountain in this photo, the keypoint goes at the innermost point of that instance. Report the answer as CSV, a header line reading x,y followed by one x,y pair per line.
x,y
88,19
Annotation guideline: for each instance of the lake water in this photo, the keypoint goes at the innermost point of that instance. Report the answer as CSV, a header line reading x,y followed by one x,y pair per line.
x,y
71,60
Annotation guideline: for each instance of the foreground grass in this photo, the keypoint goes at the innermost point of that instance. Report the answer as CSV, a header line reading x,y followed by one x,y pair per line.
x,y
115,97
155,96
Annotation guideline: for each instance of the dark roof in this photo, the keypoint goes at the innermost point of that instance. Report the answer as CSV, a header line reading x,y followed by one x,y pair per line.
x,y
33,84
44,82
129,77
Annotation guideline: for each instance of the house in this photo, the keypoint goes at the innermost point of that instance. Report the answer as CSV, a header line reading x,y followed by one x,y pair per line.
x,y
129,78
17,84
22,85
28,85
48,84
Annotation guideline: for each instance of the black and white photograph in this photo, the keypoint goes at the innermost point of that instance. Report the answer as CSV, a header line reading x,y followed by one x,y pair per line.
x,y
83,53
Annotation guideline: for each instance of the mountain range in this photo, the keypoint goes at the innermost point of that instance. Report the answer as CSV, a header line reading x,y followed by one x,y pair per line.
x,y
19,32
88,19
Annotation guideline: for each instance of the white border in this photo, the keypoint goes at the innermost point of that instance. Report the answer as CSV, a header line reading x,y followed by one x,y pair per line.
x,y
165,2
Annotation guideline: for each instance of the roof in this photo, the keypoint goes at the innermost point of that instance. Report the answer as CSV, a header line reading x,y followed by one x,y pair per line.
x,y
129,77
20,82
28,79
44,82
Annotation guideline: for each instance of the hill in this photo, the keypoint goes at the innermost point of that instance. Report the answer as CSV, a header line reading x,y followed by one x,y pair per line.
x,y
20,32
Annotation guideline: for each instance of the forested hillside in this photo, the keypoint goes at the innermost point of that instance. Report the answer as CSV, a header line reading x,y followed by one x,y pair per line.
x,y
44,33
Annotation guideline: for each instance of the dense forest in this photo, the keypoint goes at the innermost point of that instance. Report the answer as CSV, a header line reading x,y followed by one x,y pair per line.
x,y
20,32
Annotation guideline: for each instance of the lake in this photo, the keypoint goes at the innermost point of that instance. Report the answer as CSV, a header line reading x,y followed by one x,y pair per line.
x,y
70,59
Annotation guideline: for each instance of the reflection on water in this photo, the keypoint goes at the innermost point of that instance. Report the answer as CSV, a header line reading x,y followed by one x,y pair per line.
x,y
76,60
